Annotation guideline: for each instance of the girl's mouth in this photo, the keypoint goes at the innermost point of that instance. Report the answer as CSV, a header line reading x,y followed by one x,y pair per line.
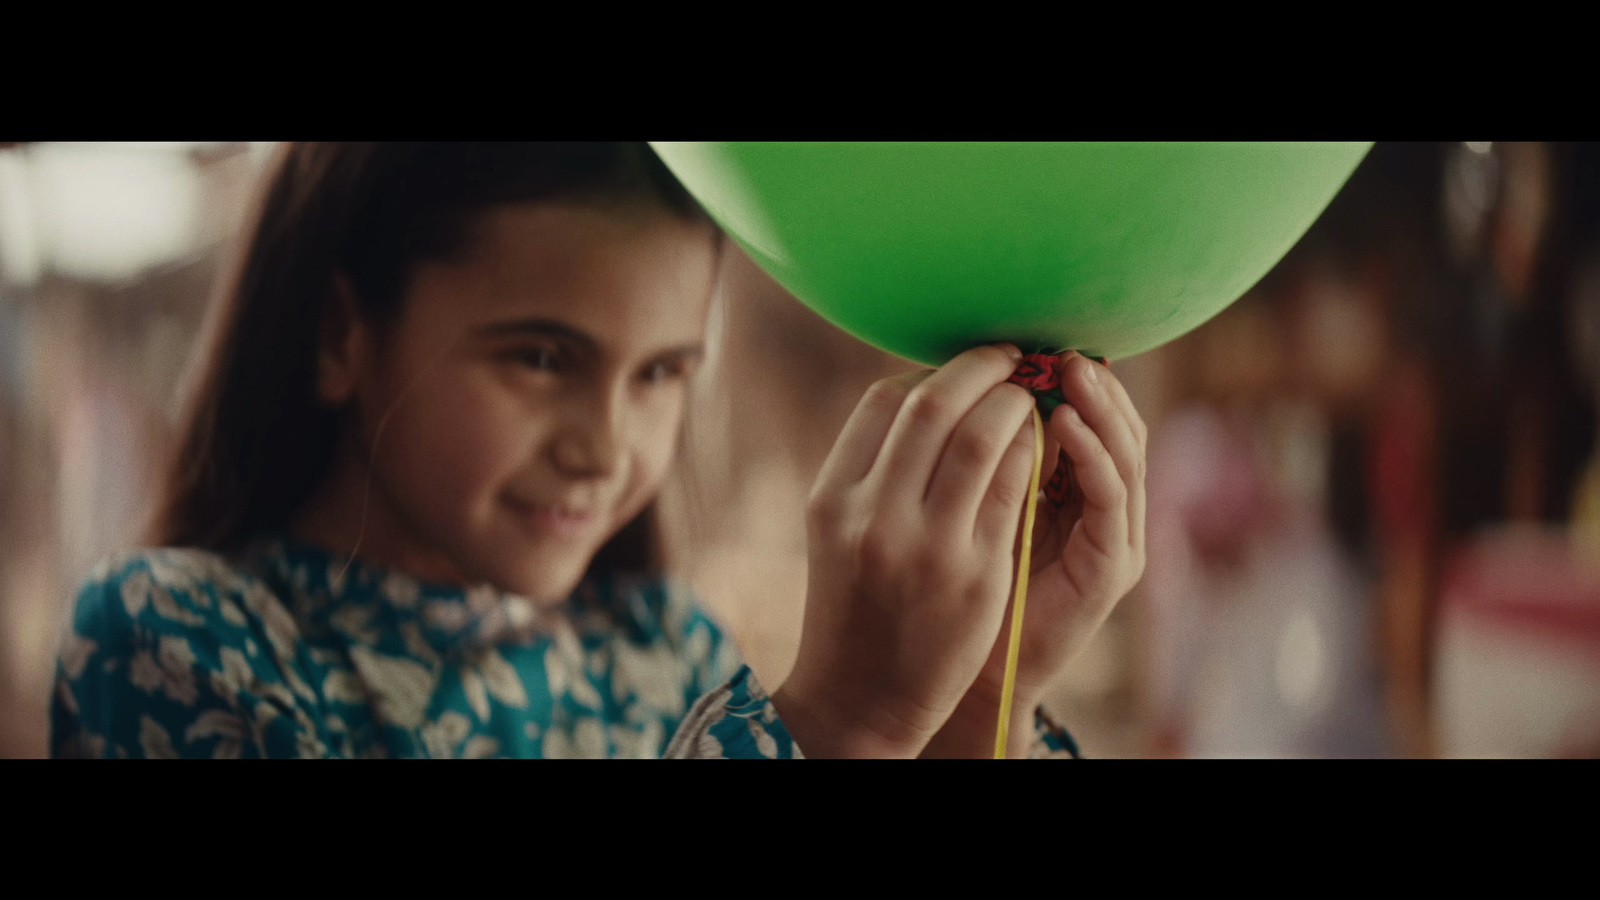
x,y
558,520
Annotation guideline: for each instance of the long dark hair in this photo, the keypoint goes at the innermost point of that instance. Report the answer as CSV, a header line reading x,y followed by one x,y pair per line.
x,y
255,443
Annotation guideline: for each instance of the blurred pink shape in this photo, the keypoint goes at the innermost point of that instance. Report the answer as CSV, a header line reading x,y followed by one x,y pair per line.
x,y
1518,666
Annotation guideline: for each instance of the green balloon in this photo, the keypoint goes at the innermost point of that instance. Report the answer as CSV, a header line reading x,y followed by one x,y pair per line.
x,y
926,249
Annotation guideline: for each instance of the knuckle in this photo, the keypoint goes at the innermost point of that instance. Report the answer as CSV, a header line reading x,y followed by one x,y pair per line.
x,y
1102,452
1119,493
894,388
822,507
1016,396
991,355
1010,486
1007,492
886,396
1023,438
1098,376
941,566
999,358
875,552
969,447
927,408
1083,372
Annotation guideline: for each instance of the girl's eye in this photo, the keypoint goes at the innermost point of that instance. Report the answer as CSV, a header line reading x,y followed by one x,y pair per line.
x,y
661,372
543,359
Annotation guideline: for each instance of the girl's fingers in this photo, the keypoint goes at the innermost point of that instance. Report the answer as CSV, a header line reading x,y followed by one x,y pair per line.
x,y
1136,491
1088,388
929,415
966,471
1052,458
1119,394
1103,492
998,517
862,438
1048,511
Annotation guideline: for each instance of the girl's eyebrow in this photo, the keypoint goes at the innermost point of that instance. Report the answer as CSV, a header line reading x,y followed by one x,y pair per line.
x,y
543,327
682,351
553,328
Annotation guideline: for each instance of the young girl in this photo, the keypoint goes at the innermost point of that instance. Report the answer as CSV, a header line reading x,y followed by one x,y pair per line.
x,y
410,513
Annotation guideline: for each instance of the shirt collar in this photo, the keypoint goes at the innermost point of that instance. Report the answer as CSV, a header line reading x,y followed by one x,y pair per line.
x,y
387,609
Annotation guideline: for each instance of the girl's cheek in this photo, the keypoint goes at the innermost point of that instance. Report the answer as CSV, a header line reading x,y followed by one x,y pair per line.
x,y
460,446
493,440
658,446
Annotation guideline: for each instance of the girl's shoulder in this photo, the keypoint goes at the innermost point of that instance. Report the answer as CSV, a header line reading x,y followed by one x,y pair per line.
x,y
179,652
180,567
170,591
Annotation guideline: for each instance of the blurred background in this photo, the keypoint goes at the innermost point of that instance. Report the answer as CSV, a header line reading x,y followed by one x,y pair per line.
x,y
1374,483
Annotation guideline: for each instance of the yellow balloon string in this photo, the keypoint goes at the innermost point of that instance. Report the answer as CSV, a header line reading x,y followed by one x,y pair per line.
x,y
1002,732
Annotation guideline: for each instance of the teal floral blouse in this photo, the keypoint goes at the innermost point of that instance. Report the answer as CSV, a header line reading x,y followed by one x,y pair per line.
x,y
276,653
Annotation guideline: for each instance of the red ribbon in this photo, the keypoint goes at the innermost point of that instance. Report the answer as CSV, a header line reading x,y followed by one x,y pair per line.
x,y
1041,373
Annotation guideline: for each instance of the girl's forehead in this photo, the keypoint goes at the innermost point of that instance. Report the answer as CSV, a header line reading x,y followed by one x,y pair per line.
x,y
629,277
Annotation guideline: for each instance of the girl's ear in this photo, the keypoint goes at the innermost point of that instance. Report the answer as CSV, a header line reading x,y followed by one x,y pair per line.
x,y
343,344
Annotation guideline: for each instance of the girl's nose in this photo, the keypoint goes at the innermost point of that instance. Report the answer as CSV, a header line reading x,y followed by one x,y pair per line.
x,y
589,447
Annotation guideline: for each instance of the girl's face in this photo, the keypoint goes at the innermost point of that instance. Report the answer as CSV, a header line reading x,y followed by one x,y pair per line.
x,y
526,403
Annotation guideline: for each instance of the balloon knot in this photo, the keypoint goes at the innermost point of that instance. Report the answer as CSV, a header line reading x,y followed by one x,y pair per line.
x,y
1041,374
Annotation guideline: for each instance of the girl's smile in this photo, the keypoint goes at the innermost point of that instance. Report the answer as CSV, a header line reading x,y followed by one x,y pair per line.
x,y
562,521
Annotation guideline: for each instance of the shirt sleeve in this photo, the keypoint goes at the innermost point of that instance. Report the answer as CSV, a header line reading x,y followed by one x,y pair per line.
x,y
734,721
738,721
150,670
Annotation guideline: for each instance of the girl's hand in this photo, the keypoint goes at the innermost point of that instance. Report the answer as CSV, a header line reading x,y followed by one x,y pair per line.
x,y
1086,556
911,528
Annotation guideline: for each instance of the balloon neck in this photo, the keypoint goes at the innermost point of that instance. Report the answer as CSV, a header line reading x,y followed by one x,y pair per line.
x,y
1040,372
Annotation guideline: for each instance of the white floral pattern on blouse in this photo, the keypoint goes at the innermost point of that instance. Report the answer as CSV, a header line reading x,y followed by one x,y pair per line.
x,y
274,653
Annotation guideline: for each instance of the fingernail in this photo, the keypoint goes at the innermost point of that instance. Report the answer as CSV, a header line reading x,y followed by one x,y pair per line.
x,y
1094,377
1011,350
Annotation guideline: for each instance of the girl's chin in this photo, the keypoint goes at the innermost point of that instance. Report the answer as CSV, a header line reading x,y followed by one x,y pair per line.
x,y
543,569
545,578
